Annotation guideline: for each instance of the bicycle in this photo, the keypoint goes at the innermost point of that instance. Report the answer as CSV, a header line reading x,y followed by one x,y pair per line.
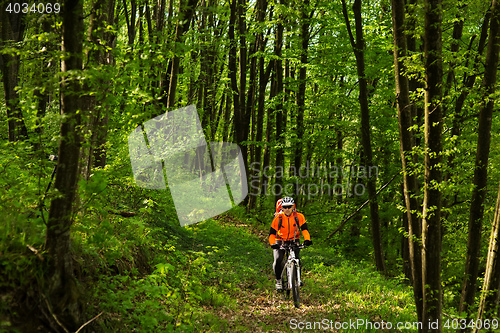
x,y
290,276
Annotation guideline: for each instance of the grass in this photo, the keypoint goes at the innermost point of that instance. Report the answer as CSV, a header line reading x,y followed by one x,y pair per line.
x,y
222,281
216,276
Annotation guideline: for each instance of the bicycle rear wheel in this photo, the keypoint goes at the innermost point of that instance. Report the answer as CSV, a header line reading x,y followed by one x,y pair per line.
x,y
295,286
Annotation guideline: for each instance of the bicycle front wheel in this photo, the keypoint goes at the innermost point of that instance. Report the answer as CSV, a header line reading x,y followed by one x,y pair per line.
x,y
295,286
286,289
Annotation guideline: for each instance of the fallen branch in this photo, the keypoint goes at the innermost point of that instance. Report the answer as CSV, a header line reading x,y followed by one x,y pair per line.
x,y
360,207
88,322
35,251
53,314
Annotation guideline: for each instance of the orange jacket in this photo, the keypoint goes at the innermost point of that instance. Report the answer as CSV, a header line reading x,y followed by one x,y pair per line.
x,y
289,229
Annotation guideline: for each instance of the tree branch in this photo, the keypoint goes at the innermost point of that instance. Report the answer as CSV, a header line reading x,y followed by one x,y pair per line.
x,y
360,207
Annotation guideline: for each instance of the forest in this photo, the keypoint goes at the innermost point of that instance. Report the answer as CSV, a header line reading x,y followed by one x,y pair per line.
x,y
379,117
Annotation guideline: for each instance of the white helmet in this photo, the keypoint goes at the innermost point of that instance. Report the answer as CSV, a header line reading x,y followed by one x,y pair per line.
x,y
287,201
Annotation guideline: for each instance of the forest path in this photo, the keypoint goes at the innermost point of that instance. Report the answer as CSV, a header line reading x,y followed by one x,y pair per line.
x,y
216,276
258,307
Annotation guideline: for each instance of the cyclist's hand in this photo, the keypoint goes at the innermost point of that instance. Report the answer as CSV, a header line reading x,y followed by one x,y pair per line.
x,y
308,242
275,246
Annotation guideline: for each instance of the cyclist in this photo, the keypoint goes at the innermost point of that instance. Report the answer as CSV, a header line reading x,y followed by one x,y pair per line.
x,y
284,228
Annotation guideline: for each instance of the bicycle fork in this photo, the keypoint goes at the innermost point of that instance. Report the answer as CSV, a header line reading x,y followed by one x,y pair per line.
x,y
290,272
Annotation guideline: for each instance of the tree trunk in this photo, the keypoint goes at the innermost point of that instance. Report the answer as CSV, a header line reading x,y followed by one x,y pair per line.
x,y
269,132
131,31
280,119
185,16
62,290
488,306
358,46
94,154
481,166
11,31
241,112
469,81
407,142
254,189
45,70
415,84
305,17
431,221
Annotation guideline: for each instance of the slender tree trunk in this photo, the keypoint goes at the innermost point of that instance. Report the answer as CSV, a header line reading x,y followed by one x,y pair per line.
x,y
149,23
280,119
413,37
94,153
42,93
431,221
261,8
227,116
232,63
241,113
339,146
407,142
11,31
405,246
358,46
301,94
490,295
62,290
270,123
339,161
458,27
131,31
469,81
481,166
185,16
107,60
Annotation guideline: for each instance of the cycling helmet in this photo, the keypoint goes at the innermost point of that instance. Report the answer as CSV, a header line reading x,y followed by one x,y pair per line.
x,y
287,201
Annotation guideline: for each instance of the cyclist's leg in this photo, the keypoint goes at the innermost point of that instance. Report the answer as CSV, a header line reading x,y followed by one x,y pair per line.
x,y
278,262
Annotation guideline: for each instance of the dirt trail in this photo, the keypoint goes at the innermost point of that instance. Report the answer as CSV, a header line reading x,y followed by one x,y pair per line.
x,y
265,310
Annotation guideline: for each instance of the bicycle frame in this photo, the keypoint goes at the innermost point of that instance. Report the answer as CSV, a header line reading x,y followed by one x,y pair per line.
x,y
291,269
287,271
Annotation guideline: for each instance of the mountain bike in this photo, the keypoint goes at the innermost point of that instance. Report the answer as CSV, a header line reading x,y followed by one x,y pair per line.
x,y
290,276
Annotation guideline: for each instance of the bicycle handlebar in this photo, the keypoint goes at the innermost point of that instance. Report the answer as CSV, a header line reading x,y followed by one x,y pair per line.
x,y
287,246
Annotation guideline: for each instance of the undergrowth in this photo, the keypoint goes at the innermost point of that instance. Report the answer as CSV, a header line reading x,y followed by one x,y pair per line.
x,y
218,277
139,271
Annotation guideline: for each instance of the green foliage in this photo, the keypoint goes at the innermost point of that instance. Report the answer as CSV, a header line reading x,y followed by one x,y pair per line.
x,y
365,294
145,272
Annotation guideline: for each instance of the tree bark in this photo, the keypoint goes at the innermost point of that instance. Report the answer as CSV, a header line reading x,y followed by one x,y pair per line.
x,y
278,85
42,94
241,111
488,305
305,17
254,188
431,221
469,80
62,290
131,30
481,165
185,16
94,153
407,142
358,46
12,27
